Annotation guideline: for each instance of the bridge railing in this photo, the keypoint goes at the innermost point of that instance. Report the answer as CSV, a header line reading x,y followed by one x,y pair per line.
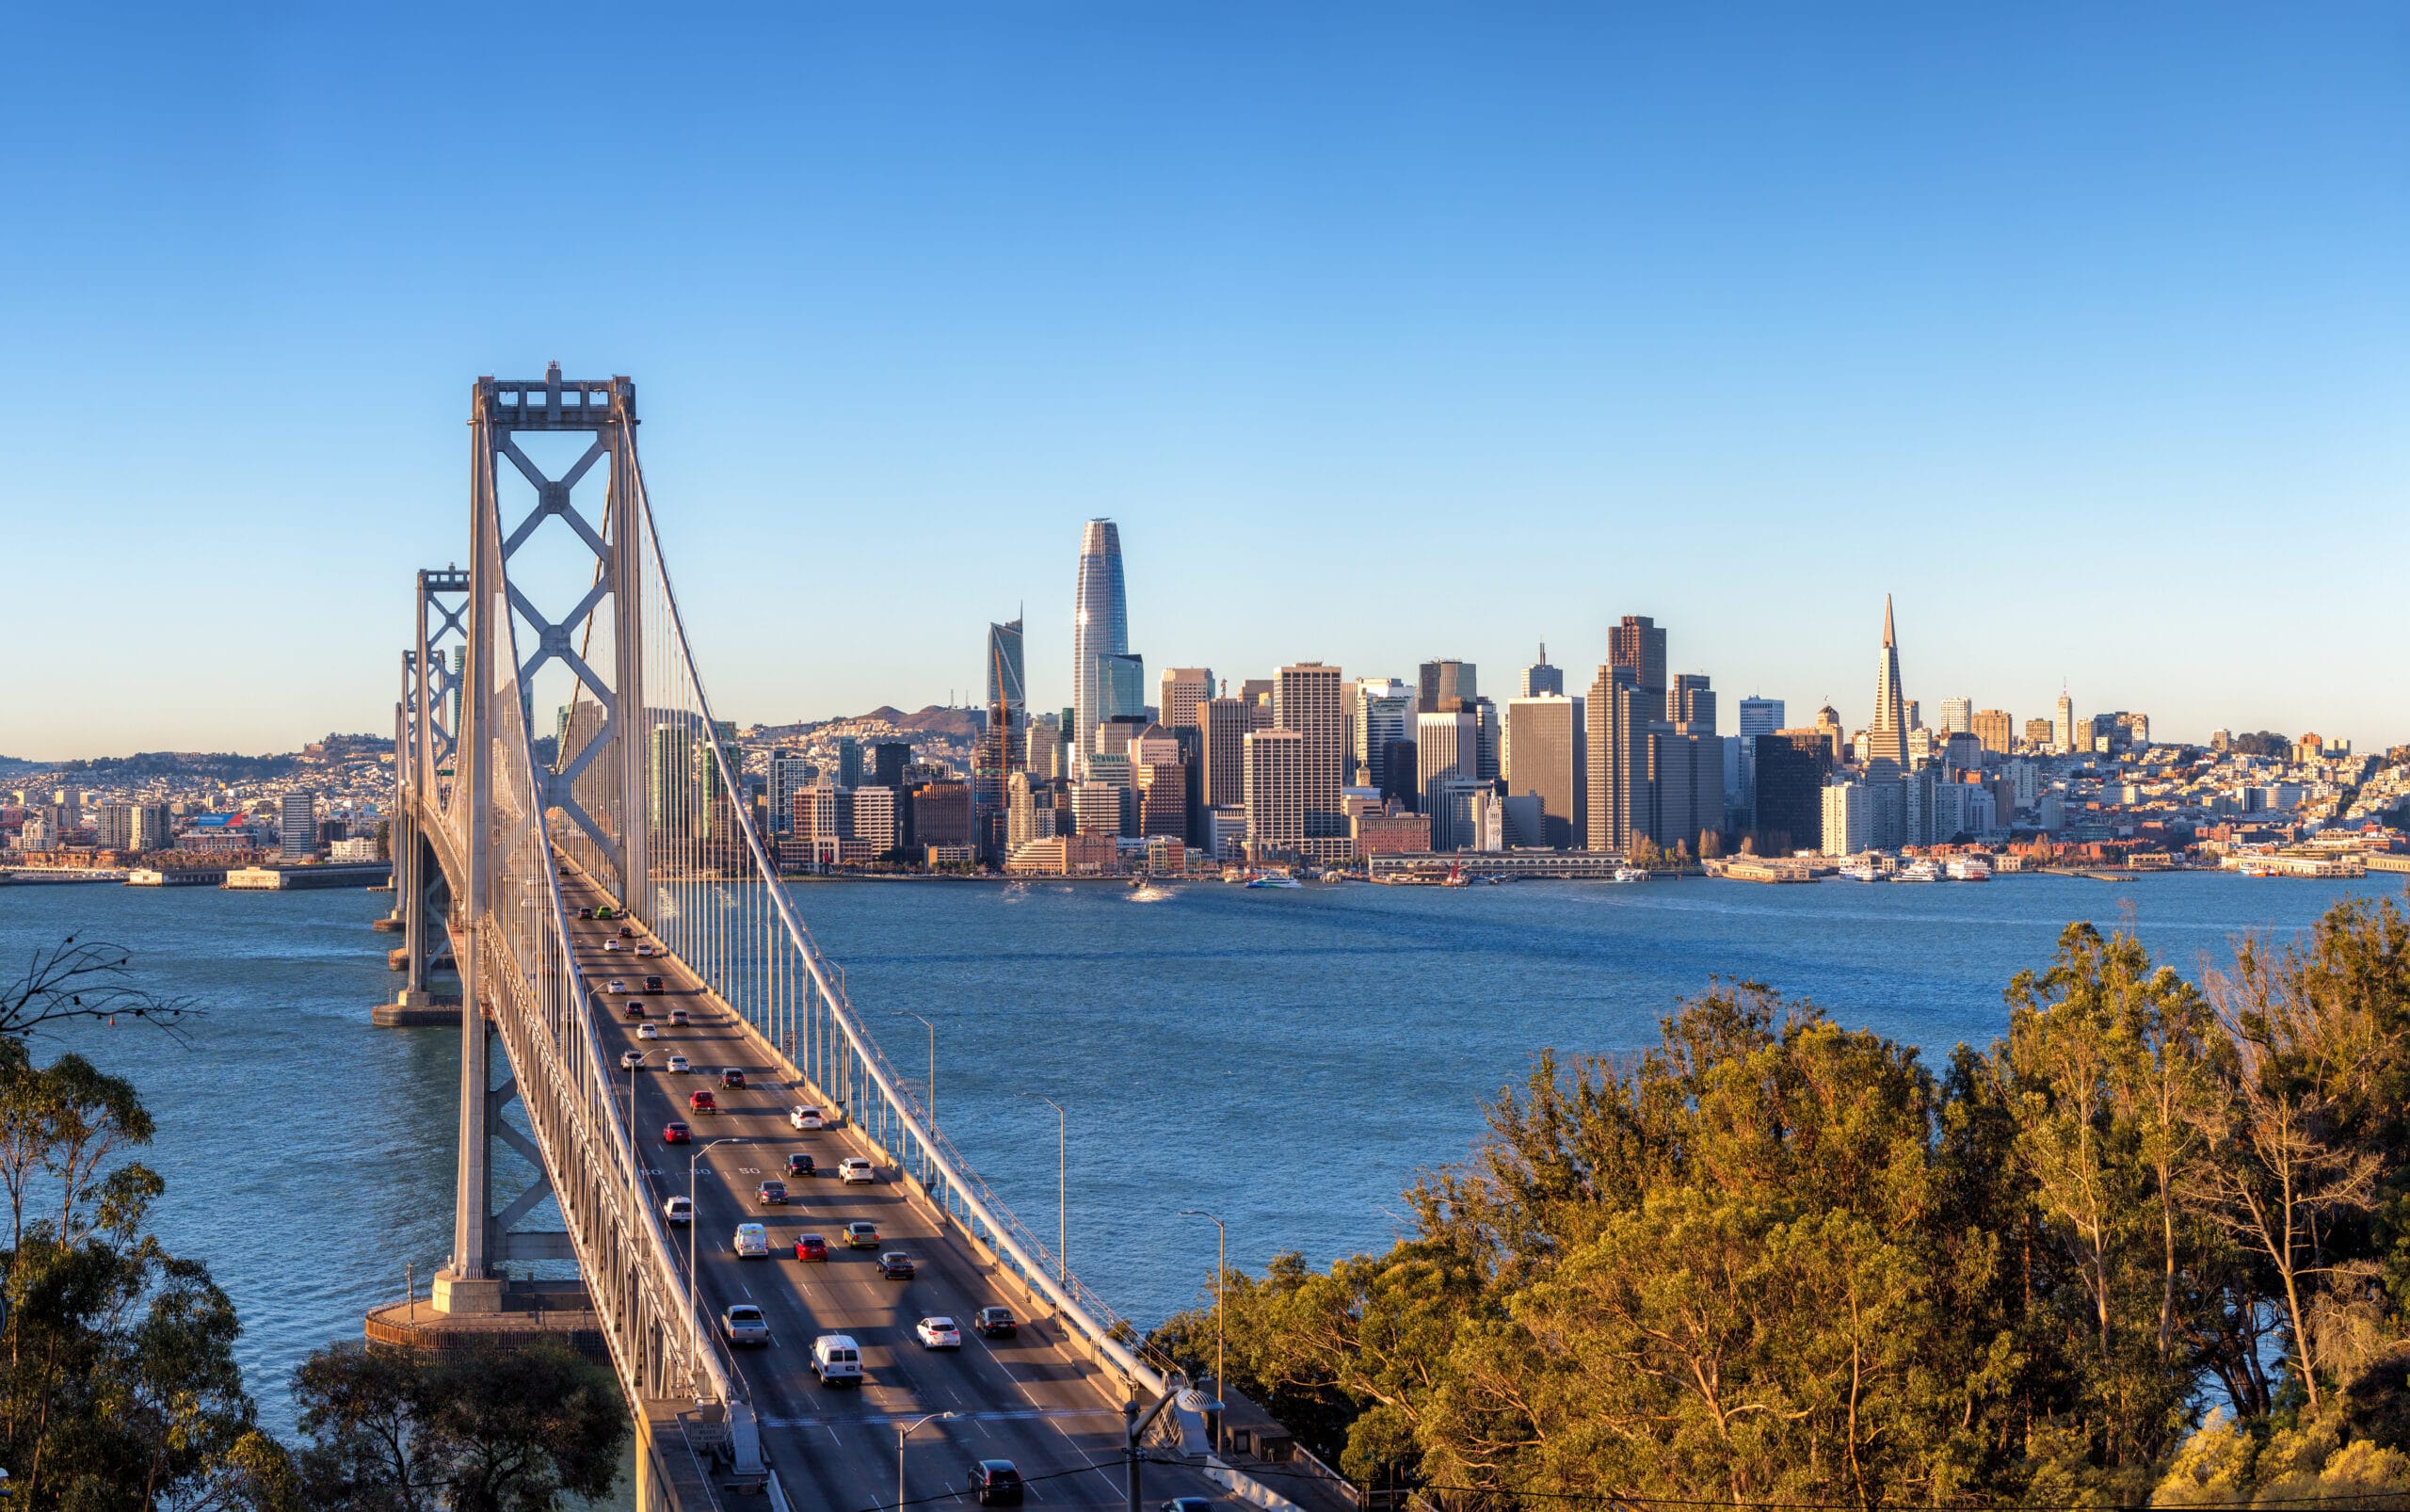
x,y
528,973
711,892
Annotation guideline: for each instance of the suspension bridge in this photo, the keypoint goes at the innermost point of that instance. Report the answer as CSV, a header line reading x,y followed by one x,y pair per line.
x,y
533,863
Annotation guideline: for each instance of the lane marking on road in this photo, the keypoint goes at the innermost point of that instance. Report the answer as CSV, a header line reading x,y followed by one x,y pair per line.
x,y
891,1419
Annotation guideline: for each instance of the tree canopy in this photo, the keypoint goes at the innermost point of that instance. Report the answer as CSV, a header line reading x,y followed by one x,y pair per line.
x,y
2155,1242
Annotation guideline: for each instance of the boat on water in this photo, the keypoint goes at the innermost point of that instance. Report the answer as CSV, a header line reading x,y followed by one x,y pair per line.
x,y
1968,869
1274,879
1455,877
1628,874
1233,875
1920,871
1869,870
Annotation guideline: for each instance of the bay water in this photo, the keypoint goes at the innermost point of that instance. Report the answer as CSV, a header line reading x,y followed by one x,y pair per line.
x,y
1286,1059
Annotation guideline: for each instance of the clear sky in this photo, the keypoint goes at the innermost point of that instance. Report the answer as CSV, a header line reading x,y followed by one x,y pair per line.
x,y
1386,332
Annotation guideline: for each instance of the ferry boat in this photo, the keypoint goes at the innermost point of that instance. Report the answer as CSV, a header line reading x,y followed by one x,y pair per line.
x,y
1920,871
1274,879
1869,870
1968,869
1628,874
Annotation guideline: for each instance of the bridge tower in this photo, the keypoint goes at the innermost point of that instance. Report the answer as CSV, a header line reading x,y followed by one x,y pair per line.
x,y
477,754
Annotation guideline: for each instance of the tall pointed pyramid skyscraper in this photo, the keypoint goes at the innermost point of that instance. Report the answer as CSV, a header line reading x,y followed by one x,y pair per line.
x,y
1887,738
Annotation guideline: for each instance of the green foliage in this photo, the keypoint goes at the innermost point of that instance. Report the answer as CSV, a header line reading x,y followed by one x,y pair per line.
x,y
501,1428
1773,1259
117,1382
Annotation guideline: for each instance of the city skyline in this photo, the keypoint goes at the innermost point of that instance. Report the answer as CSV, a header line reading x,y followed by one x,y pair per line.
x,y
1528,322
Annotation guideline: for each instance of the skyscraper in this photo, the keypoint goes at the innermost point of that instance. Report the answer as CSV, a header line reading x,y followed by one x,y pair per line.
x,y
1638,645
1384,713
1543,759
1226,723
1445,744
1959,716
1120,685
1307,699
1886,737
1183,689
1008,675
297,826
1995,729
849,762
1447,686
1540,679
1100,627
2065,733
1616,800
1276,792
1691,702
1756,716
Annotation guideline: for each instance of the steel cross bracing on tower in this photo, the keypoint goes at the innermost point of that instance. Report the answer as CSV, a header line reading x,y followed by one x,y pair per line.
x,y
642,802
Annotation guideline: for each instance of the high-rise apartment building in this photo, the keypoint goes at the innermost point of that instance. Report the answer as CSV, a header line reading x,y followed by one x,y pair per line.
x,y
876,822
1384,714
1957,716
1446,687
1849,818
2041,735
1544,749
113,827
1993,730
1226,723
297,826
1617,801
150,829
1638,646
1100,627
1540,679
789,774
1183,689
1886,737
1276,764
1309,698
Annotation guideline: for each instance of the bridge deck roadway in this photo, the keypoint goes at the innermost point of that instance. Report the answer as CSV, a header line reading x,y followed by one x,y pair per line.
x,y
1027,1399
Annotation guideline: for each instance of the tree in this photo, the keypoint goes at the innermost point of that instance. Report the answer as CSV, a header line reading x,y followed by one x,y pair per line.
x,y
119,1385
498,1428
2285,1181
92,981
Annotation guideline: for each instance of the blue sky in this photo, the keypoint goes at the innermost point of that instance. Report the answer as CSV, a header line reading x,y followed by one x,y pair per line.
x,y
1386,332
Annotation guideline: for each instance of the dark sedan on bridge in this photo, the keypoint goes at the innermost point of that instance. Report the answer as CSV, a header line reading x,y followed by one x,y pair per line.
x,y
993,1482
895,1265
732,1078
994,1323
772,1192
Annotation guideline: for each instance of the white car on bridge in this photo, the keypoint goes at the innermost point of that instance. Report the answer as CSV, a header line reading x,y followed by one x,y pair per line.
x,y
614,985
630,1059
937,1333
680,1063
808,1118
853,1170
678,1210
646,1031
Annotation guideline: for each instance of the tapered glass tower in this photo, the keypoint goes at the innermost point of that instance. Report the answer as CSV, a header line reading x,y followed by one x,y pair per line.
x,y
1100,627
